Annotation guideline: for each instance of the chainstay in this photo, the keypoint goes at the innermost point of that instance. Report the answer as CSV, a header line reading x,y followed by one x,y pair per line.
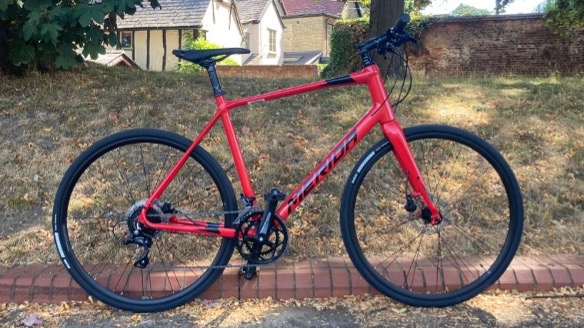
x,y
241,213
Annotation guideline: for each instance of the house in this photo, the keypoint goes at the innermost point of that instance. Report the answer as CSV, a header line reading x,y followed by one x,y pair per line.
x,y
309,23
114,58
149,36
263,31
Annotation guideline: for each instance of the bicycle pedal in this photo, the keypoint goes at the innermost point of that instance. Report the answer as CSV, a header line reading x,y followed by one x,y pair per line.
x,y
249,272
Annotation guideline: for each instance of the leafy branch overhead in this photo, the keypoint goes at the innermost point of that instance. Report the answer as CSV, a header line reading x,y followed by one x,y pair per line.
x,y
50,32
563,16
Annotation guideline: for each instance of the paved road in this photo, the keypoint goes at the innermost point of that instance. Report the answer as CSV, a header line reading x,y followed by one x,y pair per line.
x,y
561,309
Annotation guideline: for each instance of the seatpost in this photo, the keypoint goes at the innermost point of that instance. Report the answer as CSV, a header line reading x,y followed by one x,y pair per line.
x,y
211,68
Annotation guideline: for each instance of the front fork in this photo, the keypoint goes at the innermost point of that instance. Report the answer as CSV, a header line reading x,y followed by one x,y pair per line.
x,y
394,133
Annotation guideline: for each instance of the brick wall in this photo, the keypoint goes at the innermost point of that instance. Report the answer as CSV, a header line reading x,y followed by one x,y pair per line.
x,y
306,34
513,44
270,71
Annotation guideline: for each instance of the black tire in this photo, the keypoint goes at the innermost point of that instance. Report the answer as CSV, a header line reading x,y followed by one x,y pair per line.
x,y
404,257
95,207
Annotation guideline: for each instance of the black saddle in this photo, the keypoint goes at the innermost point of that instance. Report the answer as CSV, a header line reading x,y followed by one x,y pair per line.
x,y
200,56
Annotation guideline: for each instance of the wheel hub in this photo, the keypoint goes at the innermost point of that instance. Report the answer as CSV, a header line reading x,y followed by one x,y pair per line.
x,y
422,219
155,214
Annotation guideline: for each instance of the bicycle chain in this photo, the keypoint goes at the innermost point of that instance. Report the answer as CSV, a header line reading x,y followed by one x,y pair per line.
x,y
241,213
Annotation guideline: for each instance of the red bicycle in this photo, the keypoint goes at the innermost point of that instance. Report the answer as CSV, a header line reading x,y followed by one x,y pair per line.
x,y
146,220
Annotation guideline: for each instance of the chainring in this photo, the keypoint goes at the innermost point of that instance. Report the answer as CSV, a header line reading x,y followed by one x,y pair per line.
x,y
270,250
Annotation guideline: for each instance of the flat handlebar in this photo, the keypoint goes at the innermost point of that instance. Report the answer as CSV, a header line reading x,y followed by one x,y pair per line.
x,y
395,36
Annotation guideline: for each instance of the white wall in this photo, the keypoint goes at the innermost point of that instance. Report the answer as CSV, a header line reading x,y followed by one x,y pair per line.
x,y
172,43
156,50
260,37
270,20
140,50
227,35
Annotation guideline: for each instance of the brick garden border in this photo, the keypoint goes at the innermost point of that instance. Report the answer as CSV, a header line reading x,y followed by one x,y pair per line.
x,y
331,277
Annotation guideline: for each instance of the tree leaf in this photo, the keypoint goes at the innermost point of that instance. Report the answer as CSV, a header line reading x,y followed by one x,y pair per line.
x,y
37,4
95,33
91,13
112,39
50,32
154,4
4,4
21,53
65,61
30,28
108,5
93,49
126,6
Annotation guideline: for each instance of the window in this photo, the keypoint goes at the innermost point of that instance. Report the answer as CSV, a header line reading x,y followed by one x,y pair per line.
x,y
272,41
247,40
126,42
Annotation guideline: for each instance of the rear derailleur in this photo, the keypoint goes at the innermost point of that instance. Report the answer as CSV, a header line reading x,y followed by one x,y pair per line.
x,y
262,236
143,237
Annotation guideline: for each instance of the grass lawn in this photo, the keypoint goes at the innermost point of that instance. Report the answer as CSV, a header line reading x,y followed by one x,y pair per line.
x,y
47,120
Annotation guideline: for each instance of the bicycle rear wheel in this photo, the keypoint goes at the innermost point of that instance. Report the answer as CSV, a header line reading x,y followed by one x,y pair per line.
x,y
407,258
95,213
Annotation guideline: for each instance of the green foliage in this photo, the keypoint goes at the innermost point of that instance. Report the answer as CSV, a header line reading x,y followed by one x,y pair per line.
x,y
344,57
466,10
414,6
563,16
500,6
418,23
346,34
199,44
49,32
544,6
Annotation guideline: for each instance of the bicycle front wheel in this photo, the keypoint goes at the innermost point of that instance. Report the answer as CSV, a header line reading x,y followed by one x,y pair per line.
x,y
104,248
406,257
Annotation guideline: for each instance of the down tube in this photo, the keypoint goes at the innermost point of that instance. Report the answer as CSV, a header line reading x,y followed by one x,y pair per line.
x,y
325,167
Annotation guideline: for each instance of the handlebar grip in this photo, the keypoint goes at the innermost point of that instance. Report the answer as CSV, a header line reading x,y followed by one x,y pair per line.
x,y
401,23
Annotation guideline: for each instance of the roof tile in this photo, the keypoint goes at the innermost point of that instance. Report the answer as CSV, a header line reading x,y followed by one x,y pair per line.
x,y
251,10
174,13
313,7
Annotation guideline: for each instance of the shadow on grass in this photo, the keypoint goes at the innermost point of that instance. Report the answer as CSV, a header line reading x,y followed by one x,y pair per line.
x,y
47,120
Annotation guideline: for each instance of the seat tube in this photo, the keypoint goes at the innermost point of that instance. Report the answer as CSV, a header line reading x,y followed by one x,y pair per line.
x,y
234,147
394,133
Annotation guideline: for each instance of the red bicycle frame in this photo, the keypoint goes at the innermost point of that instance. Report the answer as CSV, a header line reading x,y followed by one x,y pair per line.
x,y
380,113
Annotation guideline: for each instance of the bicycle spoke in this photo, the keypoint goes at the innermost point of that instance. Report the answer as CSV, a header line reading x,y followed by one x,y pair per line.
x,y
394,256
414,259
439,267
456,262
146,175
115,289
166,270
100,215
124,179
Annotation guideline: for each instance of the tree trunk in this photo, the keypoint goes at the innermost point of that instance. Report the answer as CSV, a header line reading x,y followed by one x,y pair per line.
x,y
4,62
384,14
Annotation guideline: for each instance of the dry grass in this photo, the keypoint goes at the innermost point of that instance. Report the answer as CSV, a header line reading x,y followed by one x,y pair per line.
x,y
46,121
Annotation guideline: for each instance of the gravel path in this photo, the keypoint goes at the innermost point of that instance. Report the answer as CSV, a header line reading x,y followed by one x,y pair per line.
x,y
562,308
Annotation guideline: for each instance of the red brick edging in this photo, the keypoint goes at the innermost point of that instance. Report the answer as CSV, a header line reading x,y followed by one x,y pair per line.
x,y
307,279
